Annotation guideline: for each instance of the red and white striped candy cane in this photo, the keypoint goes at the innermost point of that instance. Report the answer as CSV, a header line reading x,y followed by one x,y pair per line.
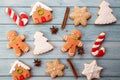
x,y
96,50
20,20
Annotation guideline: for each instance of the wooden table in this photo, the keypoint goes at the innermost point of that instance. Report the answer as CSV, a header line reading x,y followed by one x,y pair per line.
x,y
110,61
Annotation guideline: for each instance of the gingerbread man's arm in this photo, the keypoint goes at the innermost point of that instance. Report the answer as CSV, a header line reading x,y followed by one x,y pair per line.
x,y
21,36
65,37
80,44
8,45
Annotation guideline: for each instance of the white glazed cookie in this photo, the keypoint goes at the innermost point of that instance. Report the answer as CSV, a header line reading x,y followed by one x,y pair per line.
x,y
41,44
92,70
105,15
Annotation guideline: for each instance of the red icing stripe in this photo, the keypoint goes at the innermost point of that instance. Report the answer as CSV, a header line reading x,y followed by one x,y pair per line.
x,y
15,17
9,11
97,43
94,49
101,37
23,15
100,53
21,23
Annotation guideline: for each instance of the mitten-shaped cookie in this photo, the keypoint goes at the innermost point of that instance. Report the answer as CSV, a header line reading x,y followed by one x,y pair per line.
x,y
72,41
16,42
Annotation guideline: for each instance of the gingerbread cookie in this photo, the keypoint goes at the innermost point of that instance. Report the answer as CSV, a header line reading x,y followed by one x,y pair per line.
x,y
72,41
19,71
105,15
41,44
16,42
54,68
80,16
92,70
41,13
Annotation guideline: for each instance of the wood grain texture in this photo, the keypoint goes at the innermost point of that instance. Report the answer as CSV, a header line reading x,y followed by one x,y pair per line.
x,y
110,61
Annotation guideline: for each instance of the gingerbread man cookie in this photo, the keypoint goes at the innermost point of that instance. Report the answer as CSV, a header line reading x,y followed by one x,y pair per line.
x,y
41,13
16,42
80,16
19,71
55,68
72,41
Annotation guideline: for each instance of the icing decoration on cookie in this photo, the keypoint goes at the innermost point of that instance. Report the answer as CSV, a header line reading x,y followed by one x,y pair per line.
x,y
80,16
105,15
16,42
55,68
19,71
20,20
72,41
92,70
96,51
41,13
41,44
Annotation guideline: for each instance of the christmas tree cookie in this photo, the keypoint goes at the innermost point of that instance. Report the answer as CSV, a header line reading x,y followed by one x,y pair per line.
x,y
41,44
105,15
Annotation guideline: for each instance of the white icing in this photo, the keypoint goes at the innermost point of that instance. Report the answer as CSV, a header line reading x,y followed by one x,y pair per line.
x,y
37,4
92,70
17,62
41,44
105,15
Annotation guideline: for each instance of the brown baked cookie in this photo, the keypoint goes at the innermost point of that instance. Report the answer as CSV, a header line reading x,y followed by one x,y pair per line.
x,y
72,41
16,42
80,16
41,13
54,68
19,71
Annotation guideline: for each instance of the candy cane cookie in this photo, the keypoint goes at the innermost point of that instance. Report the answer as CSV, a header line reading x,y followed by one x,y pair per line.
x,y
96,50
20,20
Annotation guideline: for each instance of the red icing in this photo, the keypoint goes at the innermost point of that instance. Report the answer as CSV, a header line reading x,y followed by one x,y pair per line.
x,y
21,23
97,43
21,77
101,37
43,19
94,49
14,17
9,11
23,15
100,53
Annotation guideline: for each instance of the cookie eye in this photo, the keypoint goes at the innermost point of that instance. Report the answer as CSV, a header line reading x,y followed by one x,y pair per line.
x,y
19,71
40,12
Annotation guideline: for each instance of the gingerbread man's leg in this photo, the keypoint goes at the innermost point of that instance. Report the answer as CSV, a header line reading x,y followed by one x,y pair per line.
x,y
72,51
66,46
24,47
17,51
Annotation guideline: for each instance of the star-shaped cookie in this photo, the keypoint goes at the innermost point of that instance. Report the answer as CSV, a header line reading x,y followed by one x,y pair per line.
x,y
80,16
92,70
54,68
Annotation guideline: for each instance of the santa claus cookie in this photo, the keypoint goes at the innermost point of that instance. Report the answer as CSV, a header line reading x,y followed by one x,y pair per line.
x,y
41,44
41,13
16,42
19,71
72,41
105,15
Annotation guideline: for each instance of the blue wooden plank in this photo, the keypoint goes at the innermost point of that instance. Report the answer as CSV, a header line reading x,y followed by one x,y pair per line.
x,y
62,78
112,51
58,14
108,70
114,3
89,32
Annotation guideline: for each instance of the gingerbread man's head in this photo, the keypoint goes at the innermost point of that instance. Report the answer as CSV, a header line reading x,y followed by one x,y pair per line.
x,y
77,33
11,34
